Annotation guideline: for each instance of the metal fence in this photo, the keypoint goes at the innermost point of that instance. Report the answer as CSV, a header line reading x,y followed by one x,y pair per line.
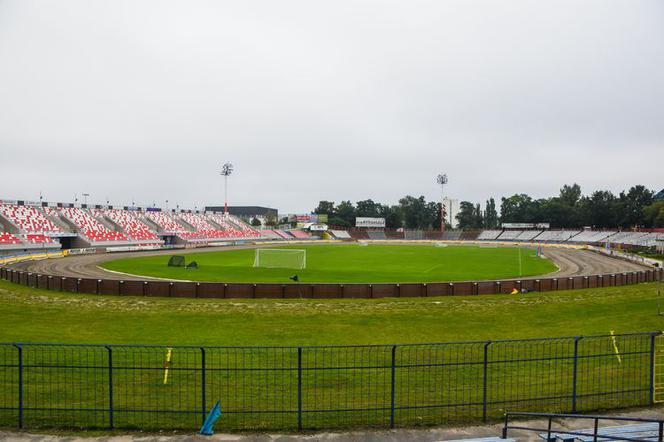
x,y
307,388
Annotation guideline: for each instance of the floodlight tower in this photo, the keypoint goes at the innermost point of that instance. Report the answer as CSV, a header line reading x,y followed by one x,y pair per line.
x,y
226,170
442,180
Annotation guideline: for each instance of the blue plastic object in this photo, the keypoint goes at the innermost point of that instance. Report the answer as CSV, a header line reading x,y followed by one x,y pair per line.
x,y
208,426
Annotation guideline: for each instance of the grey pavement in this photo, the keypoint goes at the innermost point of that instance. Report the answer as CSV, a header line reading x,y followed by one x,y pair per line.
x,y
401,435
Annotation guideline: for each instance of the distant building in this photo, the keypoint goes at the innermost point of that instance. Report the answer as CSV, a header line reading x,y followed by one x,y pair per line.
x,y
659,196
451,211
247,213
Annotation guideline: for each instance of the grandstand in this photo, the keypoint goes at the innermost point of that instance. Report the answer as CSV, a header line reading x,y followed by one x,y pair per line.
x,y
203,227
509,235
130,223
528,235
300,234
590,236
65,225
557,235
340,234
7,239
90,227
283,234
234,226
269,234
413,234
377,234
451,235
30,226
25,228
489,235
28,219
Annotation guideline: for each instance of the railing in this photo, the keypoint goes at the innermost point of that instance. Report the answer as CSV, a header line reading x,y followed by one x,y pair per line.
x,y
595,433
306,388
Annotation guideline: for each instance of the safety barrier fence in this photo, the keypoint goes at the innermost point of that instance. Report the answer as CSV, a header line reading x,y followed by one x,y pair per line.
x,y
296,290
330,387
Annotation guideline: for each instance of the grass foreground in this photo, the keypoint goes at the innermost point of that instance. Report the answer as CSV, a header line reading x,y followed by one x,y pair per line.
x,y
348,263
316,388
33,315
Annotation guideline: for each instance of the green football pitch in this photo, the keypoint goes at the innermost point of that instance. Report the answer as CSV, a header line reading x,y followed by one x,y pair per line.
x,y
348,263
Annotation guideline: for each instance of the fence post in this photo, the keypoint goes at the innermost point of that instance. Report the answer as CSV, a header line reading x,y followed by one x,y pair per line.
x,y
484,385
652,369
299,389
20,385
203,405
393,381
574,374
110,387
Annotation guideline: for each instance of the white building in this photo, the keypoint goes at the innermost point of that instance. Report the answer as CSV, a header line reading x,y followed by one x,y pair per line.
x,y
451,209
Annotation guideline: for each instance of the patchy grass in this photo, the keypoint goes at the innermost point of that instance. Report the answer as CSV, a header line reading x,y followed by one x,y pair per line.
x,y
32,315
341,387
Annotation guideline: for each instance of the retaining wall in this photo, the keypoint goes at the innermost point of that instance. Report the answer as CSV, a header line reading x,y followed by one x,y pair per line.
x,y
320,291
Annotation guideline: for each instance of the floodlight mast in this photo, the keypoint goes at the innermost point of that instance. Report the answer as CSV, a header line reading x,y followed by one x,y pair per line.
x,y
442,180
226,170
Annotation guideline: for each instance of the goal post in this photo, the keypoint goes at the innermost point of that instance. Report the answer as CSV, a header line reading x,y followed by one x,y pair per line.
x,y
280,258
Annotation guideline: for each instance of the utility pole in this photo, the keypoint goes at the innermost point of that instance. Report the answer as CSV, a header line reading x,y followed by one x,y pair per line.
x,y
226,171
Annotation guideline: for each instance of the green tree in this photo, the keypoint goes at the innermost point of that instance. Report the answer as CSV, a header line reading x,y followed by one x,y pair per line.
x,y
367,208
255,222
653,215
600,209
393,216
478,218
414,212
325,207
345,211
517,208
570,195
632,204
339,222
271,220
659,221
433,215
557,212
490,214
466,216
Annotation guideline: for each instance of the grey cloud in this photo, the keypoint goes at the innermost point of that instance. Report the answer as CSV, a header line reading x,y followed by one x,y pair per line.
x,y
320,100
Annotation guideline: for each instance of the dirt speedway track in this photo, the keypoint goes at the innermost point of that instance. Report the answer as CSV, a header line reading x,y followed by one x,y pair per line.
x,y
570,262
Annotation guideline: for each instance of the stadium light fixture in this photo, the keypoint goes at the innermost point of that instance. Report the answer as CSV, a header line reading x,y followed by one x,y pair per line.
x,y
442,180
85,198
226,171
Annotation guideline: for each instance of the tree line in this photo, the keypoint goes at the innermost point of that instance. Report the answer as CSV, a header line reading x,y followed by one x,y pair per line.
x,y
636,207
410,212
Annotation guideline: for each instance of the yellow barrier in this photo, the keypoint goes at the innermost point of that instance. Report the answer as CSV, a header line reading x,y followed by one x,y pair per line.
x,y
34,257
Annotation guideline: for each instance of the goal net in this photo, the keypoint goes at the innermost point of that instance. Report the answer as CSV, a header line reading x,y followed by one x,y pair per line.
x,y
280,258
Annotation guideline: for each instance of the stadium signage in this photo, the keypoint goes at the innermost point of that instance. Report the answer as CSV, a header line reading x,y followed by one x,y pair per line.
x,y
369,222
309,218
525,225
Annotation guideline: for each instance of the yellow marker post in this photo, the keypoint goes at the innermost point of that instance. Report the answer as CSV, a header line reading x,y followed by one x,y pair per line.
x,y
615,347
167,364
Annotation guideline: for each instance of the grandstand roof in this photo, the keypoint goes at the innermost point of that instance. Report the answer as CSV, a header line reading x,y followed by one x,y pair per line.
x,y
244,210
659,195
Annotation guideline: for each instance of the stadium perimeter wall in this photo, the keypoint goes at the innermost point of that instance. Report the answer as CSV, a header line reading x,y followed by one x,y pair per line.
x,y
182,289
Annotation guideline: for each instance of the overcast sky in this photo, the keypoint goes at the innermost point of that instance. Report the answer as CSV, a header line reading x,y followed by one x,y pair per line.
x,y
332,100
